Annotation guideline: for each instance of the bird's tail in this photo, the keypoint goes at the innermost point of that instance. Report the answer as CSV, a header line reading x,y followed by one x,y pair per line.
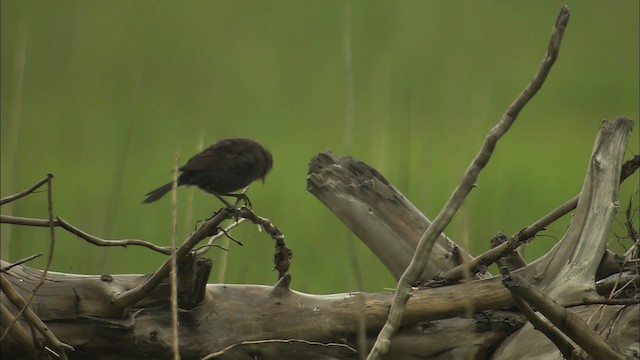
x,y
158,193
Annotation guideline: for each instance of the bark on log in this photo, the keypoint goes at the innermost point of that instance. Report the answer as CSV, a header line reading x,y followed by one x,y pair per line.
x,y
77,309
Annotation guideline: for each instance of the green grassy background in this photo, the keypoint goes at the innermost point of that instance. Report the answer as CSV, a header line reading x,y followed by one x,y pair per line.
x,y
110,90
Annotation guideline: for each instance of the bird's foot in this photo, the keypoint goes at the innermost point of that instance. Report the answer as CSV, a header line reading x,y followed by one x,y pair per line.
x,y
240,198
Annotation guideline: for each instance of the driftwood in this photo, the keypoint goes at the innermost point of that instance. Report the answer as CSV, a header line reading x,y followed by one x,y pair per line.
x,y
578,300
277,322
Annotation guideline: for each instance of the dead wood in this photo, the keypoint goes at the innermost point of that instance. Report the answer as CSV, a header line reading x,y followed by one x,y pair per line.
x,y
79,311
237,321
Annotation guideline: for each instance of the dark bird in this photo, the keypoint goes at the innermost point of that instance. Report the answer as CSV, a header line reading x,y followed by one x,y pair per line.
x,y
222,168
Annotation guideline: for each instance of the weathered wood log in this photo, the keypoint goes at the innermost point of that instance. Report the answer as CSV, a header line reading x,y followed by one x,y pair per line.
x,y
78,310
387,222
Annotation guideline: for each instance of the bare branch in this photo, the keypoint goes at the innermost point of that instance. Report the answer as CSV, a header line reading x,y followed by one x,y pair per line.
x,y
423,250
566,321
629,167
281,341
603,302
24,193
175,345
6,219
21,261
130,297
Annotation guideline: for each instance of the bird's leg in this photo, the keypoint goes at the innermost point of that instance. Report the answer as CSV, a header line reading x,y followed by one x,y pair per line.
x,y
231,208
241,197
224,201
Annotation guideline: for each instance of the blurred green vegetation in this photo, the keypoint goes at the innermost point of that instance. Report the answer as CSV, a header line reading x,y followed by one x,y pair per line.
x,y
111,90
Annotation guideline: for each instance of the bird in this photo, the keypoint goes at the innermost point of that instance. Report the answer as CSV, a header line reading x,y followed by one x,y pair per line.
x,y
224,167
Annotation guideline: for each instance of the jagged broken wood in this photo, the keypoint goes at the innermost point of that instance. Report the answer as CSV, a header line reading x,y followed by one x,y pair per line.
x,y
386,221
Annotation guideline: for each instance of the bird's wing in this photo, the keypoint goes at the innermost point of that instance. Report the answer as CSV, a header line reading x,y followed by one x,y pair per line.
x,y
216,157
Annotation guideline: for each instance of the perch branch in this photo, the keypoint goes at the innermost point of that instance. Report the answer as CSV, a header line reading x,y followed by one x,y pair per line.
x,y
282,257
59,222
131,297
566,321
423,250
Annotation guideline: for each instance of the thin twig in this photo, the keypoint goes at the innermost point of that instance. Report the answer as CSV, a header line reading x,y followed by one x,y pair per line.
x,y
423,250
361,333
6,219
10,175
174,268
229,237
276,341
207,246
224,246
603,302
223,233
24,193
20,262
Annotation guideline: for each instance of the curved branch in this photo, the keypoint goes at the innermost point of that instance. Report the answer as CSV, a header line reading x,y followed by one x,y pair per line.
x,y
130,297
26,192
487,258
59,222
423,250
